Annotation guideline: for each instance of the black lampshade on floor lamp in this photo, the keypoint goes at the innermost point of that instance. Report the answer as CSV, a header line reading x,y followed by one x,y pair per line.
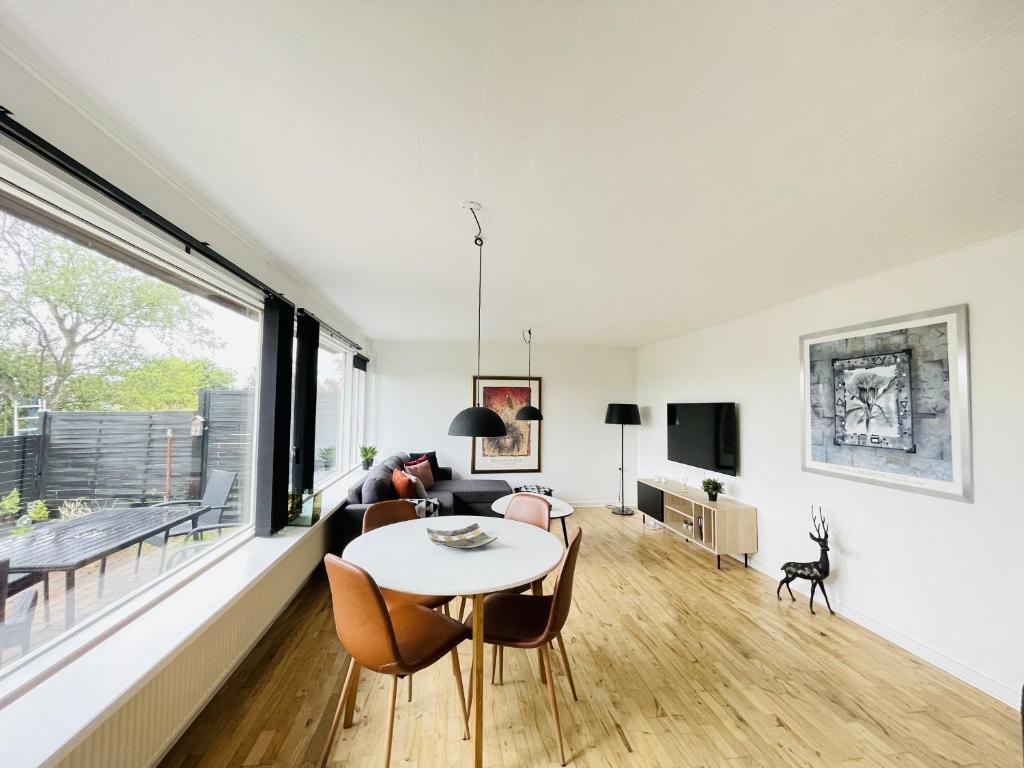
x,y
622,414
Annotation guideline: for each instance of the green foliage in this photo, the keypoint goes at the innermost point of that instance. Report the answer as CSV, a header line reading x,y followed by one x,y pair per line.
x,y
367,452
79,328
328,455
712,486
10,504
37,511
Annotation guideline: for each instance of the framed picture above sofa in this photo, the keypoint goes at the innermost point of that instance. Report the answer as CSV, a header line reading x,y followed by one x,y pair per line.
x,y
519,450
889,403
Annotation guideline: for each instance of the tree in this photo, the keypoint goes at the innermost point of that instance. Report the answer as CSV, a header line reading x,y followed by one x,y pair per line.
x,y
80,328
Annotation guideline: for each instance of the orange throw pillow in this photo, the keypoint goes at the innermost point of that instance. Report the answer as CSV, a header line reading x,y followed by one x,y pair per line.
x,y
405,487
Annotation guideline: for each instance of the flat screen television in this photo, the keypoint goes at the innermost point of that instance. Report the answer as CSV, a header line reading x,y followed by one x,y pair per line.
x,y
704,435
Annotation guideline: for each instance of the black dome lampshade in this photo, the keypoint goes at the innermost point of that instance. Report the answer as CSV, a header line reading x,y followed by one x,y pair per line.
x,y
477,422
622,413
528,412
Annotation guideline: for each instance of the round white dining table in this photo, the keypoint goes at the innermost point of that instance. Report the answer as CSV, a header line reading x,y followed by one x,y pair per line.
x,y
402,557
559,510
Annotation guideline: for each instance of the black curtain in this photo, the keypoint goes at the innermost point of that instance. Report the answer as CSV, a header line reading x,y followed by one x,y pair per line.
x,y
307,338
272,460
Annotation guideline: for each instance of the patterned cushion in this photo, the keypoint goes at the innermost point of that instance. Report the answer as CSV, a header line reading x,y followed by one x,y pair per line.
x,y
421,469
426,507
403,484
543,490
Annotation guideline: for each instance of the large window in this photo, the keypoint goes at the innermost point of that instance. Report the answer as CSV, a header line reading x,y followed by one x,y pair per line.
x,y
329,444
127,393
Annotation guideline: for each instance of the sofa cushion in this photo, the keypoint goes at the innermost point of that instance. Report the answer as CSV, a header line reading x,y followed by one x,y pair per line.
x,y
471,491
421,469
355,493
377,486
404,486
392,463
431,457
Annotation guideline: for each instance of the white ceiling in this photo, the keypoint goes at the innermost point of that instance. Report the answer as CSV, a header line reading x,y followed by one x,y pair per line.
x,y
646,168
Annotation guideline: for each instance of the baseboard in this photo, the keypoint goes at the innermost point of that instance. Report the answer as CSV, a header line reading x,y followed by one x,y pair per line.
x,y
591,503
940,659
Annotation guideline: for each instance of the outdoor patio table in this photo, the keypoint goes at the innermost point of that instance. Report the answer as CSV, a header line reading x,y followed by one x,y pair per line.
x,y
68,546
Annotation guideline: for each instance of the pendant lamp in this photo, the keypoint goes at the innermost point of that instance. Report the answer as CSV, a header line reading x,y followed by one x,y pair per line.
x,y
528,412
477,421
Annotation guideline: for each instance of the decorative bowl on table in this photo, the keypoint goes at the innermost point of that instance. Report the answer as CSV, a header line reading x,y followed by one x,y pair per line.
x,y
469,537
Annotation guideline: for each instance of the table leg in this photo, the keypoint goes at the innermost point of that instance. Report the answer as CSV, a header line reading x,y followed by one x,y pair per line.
x,y
478,681
69,599
565,533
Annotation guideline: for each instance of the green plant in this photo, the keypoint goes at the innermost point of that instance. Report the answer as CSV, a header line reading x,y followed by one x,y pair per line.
x,y
327,455
10,504
37,511
367,452
712,487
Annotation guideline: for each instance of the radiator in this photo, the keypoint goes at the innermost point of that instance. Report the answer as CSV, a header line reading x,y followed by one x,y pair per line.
x,y
141,730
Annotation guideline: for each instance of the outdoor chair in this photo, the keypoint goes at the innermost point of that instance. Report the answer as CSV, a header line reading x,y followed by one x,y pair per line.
x,y
212,518
16,623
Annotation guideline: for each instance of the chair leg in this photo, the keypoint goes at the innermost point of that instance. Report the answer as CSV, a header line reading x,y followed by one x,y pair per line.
x,y
445,611
554,702
462,608
462,693
100,580
46,597
565,663
410,688
391,720
350,701
138,558
494,662
501,665
338,712
540,661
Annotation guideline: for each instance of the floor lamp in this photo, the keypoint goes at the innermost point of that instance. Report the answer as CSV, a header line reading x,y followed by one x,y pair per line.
x,y
622,414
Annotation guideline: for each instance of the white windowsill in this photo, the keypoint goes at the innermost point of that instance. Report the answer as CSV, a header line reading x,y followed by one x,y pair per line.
x,y
51,714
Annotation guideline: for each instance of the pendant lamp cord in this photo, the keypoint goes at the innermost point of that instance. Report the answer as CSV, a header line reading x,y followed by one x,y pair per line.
x,y
528,338
479,241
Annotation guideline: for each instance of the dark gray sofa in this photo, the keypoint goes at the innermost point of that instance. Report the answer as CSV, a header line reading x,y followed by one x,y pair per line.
x,y
457,497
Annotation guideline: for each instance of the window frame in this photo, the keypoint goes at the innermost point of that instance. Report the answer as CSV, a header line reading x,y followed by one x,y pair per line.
x,y
50,196
334,346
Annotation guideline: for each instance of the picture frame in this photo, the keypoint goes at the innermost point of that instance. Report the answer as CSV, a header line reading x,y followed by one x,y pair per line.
x,y
520,450
889,403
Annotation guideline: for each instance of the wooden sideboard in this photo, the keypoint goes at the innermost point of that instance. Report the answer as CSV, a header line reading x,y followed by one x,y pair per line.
x,y
723,527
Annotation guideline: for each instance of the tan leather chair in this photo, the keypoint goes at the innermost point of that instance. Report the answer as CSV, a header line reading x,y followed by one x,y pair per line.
x,y
533,621
532,509
385,513
395,642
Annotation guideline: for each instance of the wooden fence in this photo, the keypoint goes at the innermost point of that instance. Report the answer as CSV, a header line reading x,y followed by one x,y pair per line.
x,y
19,456
120,457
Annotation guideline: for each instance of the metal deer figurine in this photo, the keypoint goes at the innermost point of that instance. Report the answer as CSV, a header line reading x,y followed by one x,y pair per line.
x,y
816,571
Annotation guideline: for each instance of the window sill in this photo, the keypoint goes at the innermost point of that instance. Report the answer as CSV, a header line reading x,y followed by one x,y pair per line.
x,y
77,695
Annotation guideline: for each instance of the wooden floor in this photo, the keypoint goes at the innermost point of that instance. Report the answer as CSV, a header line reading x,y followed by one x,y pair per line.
x,y
676,665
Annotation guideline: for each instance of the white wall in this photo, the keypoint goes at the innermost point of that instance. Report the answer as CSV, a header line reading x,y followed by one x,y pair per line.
x,y
941,578
421,386
36,101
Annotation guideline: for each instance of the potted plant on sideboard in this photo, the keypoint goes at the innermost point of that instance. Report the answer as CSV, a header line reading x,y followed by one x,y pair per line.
x,y
367,454
712,488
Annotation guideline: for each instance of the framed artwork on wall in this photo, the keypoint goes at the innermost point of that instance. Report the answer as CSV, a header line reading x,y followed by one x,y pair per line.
x,y
519,450
889,403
